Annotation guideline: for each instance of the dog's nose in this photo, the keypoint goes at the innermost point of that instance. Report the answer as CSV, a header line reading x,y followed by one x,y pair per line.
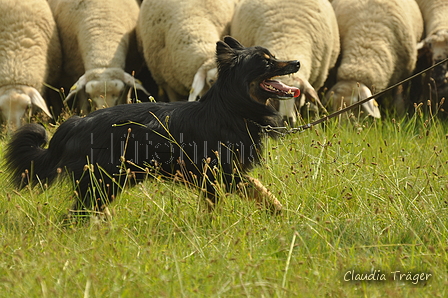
x,y
298,63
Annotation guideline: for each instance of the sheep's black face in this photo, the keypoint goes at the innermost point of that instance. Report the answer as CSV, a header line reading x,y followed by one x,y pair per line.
x,y
256,68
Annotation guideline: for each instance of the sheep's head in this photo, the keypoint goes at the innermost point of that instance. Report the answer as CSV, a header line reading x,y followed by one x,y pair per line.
x,y
345,93
106,93
104,87
15,100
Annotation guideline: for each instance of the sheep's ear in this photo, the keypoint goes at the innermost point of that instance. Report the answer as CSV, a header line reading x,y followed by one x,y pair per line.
x,y
225,56
198,83
76,88
370,107
132,82
233,43
38,101
310,93
77,97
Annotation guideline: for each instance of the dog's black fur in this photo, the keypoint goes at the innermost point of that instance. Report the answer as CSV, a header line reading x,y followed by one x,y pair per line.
x,y
178,137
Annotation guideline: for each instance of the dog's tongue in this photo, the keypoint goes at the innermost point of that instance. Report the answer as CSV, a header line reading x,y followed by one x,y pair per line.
x,y
280,89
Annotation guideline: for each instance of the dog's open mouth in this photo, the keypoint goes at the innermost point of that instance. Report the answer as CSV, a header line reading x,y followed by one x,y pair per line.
x,y
279,89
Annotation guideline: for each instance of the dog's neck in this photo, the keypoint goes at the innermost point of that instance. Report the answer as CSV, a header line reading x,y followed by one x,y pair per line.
x,y
271,129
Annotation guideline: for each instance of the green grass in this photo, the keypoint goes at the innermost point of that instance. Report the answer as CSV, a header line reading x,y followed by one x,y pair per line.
x,y
362,199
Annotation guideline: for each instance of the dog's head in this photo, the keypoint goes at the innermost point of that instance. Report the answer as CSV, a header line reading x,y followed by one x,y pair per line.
x,y
255,68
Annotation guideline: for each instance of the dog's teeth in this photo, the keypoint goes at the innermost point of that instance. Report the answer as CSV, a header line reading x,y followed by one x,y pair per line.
x,y
272,88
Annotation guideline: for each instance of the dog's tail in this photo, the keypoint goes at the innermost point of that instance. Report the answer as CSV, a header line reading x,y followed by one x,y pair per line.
x,y
26,158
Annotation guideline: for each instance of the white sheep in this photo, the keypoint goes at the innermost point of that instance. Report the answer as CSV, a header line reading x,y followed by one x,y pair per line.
x,y
98,36
378,48
178,40
305,30
435,16
30,56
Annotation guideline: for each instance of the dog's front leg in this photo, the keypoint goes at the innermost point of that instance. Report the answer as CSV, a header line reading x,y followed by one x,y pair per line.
x,y
252,188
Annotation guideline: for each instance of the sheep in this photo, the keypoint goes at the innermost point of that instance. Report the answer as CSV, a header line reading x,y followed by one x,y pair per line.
x,y
378,49
292,29
435,45
30,55
98,36
178,41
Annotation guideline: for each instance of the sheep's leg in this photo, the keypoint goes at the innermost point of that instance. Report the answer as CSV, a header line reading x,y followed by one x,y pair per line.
x,y
255,190
400,103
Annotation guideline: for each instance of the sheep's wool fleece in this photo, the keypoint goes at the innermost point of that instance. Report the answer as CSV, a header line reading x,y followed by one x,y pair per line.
x,y
178,37
95,34
29,44
378,39
305,30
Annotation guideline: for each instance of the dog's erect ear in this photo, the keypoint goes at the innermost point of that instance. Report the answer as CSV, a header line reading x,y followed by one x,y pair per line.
x,y
225,56
233,43
223,49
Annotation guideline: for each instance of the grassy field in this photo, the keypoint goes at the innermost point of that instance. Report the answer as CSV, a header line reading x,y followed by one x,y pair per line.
x,y
360,202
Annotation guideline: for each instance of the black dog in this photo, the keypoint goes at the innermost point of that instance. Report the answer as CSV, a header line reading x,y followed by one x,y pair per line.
x,y
187,140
